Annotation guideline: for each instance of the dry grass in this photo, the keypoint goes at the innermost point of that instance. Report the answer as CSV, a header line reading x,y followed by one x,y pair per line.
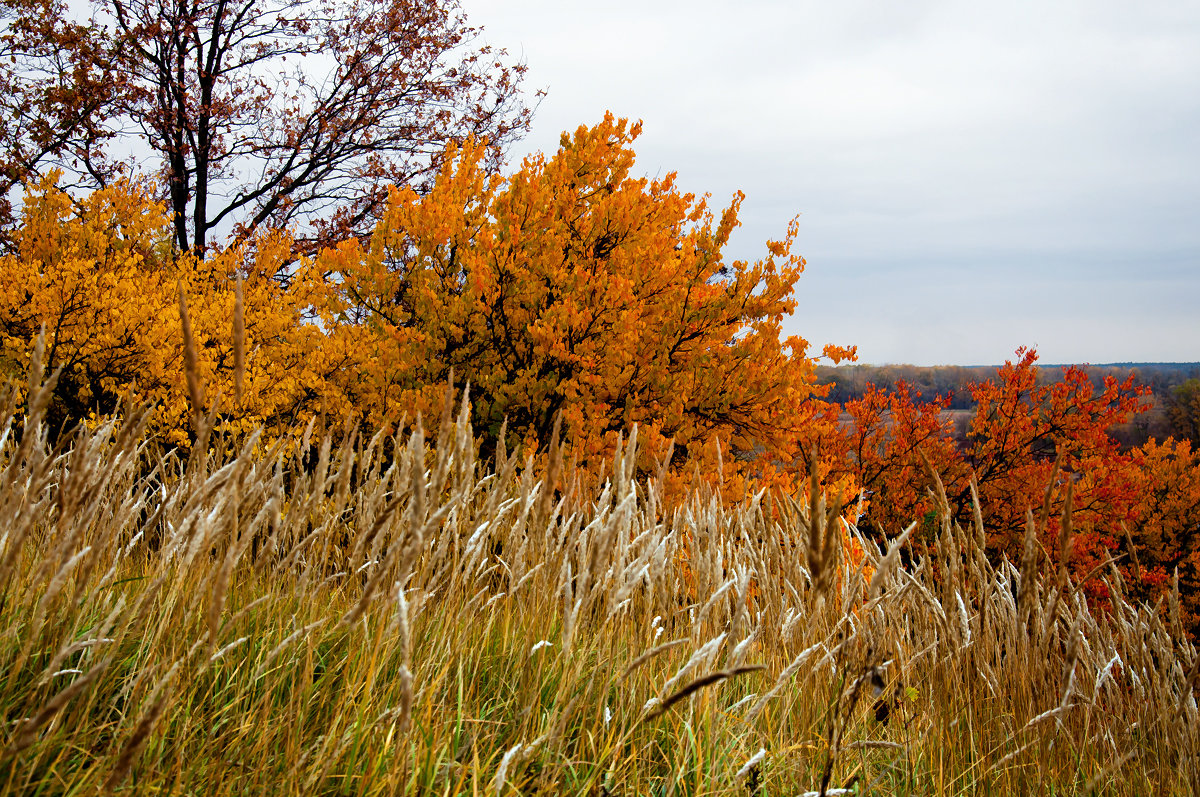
x,y
371,624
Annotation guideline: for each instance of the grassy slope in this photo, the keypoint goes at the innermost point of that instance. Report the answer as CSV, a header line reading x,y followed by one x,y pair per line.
x,y
378,625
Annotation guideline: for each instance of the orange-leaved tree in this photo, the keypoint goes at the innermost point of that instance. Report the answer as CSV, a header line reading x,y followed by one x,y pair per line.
x,y
1138,509
885,441
1020,426
1152,504
574,286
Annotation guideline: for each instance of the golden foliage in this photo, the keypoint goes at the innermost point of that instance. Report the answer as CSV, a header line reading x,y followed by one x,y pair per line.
x,y
100,276
573,286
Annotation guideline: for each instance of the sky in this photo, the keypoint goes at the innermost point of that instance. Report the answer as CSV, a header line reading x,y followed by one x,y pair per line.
x,y
968,177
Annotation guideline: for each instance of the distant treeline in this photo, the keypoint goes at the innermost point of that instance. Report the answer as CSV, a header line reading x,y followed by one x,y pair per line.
x,y
849,381
1164,380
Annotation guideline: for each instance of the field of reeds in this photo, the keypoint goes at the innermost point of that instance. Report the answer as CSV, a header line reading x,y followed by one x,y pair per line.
x,y
375,615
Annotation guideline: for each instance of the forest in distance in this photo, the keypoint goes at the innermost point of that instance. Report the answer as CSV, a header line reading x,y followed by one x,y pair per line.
x,y
1172,386
848,380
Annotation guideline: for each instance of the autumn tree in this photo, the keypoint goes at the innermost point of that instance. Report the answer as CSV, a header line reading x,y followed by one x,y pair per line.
x,y
1161,535
1028,437
1137,510
885,441
258,113
100,277
574,286
1021,425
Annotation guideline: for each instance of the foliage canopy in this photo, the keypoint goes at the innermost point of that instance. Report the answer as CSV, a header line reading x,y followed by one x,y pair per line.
x,y
573,286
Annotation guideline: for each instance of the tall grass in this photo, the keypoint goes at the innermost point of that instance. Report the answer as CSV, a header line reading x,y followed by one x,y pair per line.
x,y
235,623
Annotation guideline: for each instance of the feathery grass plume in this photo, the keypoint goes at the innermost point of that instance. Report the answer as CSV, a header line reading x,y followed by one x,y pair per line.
x,y
884,569
1070,660
35,368
938,487
403,626
191,362
1028,593
299,633
751,763
405,677
239,341
824,539
554,464
712,601
1175,607
977,516
740,597
701,656
558,724
873,744
650,654
1065,536
947,542
698,684
1134,562
144,550
513,754
980,567
158,699
786,676
1048,496
40,392
815,550
446,422
738,653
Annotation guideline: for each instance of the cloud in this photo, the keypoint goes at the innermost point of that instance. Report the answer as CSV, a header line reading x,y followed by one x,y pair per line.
x,y
1018,155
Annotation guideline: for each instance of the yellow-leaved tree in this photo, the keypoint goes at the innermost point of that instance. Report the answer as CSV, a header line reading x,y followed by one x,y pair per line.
x,y
100,276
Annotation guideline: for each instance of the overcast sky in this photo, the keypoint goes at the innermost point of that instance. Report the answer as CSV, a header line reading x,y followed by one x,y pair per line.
x,y
969,177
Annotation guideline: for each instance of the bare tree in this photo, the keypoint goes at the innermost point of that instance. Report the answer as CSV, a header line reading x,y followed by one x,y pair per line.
x,y
55,77
273,112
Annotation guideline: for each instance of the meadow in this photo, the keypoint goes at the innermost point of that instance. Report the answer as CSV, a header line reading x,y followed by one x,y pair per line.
x,y
353,614
250,542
